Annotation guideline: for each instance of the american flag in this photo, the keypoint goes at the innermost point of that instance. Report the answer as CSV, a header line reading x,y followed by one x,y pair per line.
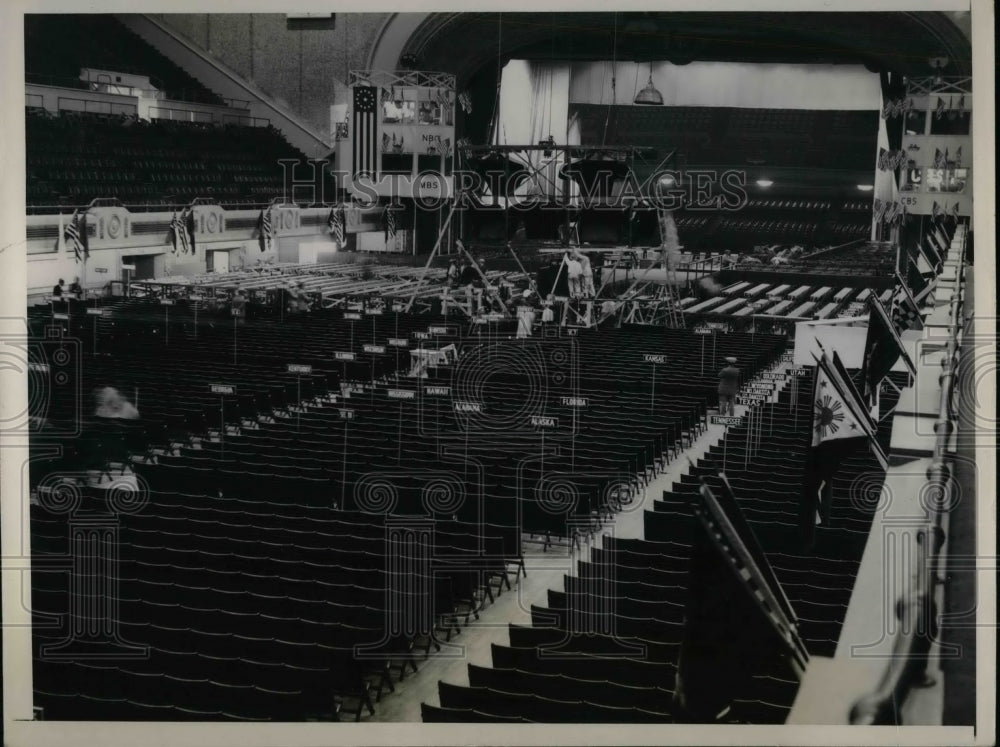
x,y
336,223
189,227
389,218
178,234
76,232
264,229
365,145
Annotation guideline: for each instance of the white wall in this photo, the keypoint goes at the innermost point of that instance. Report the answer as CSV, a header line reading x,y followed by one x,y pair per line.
x,y
728,84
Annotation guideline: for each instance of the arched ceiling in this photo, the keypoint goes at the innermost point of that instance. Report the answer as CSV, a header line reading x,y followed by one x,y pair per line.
x,y
462,43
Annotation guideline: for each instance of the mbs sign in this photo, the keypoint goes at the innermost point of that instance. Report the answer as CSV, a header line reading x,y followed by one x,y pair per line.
x,y
401,125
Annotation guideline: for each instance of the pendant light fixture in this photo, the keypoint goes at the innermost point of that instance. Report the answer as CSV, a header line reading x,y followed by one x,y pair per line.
x,y
649,96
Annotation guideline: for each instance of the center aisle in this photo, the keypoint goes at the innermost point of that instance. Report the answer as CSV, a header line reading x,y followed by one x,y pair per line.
x,y
545,571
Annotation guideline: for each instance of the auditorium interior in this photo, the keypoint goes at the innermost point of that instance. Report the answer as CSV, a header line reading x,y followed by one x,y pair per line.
x,y
373,372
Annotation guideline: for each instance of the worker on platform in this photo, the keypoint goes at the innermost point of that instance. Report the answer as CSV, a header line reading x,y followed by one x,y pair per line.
x,y
587,289
574,274
526,312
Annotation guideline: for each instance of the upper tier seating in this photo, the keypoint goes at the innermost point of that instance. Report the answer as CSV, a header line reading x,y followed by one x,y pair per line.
x,y
57,46
76,158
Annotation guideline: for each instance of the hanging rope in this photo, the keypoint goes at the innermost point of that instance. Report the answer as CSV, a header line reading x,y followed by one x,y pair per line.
x,y
552,71
614,72
495,135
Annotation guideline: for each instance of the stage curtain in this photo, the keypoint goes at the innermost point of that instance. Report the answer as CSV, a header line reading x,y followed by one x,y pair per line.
x,y
540,89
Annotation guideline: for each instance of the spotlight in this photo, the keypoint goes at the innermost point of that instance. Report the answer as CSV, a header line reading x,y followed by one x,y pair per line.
x,y
764,183
866,187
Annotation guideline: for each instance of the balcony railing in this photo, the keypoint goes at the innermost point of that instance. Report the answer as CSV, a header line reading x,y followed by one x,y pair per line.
x,y
916,608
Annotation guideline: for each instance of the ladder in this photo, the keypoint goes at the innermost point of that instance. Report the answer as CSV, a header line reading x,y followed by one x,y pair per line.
x,y
670,307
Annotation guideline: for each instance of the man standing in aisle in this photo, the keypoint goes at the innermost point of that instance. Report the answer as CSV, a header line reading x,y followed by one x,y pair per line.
x,y
729,385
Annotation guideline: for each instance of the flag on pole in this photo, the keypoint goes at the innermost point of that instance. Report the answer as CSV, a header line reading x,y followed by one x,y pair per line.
x,y
883,347
61,236
176,234
84,237
737,617
840,423
335,222
189,228
389,221
364,144
76,233
264,229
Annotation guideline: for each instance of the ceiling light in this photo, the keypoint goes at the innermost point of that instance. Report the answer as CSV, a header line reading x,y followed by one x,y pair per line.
x,y
764,182
866,187
649,96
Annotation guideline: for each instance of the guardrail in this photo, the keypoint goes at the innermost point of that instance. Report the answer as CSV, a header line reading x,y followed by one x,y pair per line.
x,y
189,96
92,106
916,609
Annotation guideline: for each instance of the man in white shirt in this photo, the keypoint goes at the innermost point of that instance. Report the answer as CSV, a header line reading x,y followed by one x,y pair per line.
x,y
574,274
586,275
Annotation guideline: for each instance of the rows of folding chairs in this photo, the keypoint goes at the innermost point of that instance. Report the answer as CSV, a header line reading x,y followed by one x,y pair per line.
x,y
262,530
622,613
